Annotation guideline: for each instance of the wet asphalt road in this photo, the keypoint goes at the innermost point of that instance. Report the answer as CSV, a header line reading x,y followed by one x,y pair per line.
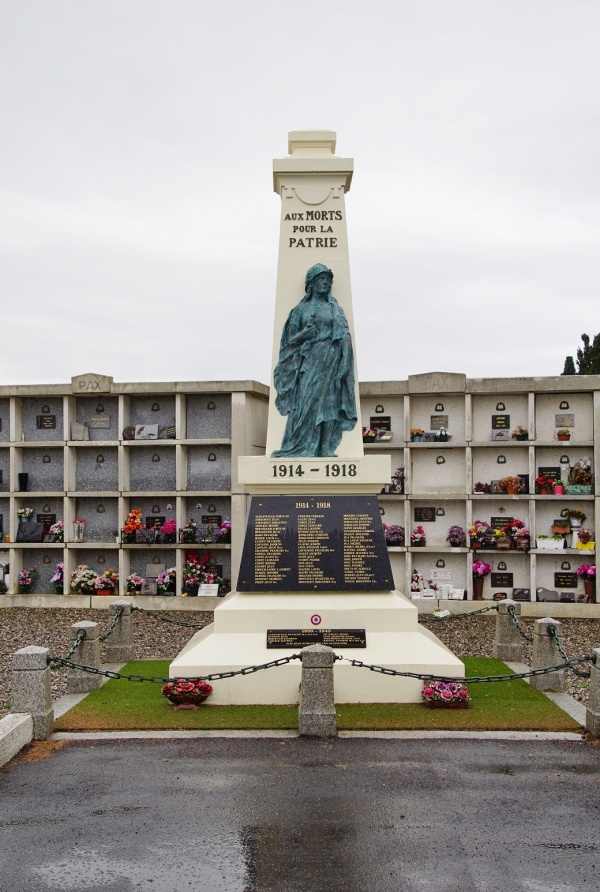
x,y
265,815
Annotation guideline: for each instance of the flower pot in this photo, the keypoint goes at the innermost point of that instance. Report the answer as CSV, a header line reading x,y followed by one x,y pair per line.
x,y
478,588
369,439
590,590
24,589
475,544
416,438
417,544
586,546
104,591
549,544
578,489
58,588
522,437
191,590
512,490
78,531
522,543
186,701
543,491
558,490
564,438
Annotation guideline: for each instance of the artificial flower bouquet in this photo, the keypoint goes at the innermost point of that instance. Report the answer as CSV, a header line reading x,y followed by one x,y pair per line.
x,y
446,693
186,693
82,580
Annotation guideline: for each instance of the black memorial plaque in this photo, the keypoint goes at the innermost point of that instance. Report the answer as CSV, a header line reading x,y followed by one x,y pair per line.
x,y
499,522
381,422
500,422
565,580
555,472
214,519
45,422
315,543
155,520
424,515
502,580
292,638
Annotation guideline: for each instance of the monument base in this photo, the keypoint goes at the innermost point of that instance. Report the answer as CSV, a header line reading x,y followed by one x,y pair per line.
x,y
238,638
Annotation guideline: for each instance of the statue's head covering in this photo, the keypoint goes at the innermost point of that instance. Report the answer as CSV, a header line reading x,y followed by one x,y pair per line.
x,y
315,271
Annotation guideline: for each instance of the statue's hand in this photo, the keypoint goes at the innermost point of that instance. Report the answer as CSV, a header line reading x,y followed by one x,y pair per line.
x,y
309,332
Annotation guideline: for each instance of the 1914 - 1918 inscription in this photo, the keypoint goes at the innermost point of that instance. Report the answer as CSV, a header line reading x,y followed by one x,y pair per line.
x,y
310,543
306,637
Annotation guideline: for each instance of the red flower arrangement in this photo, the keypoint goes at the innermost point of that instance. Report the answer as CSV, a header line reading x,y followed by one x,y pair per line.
x,y
187,693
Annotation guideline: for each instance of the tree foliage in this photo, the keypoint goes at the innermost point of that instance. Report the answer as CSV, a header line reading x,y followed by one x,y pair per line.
x,y
588,358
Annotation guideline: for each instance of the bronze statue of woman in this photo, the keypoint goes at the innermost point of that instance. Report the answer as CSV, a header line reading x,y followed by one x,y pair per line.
x,y
314,378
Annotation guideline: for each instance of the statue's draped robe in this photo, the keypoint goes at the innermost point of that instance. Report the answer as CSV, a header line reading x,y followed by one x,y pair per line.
x,y
314,379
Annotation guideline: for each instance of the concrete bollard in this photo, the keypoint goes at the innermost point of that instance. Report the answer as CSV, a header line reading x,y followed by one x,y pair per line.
x,y
119,645
508,644
592,713
31,691
316,714
88,654
545,653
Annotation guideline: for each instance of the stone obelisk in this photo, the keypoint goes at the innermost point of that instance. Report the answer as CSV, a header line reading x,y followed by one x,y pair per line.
x,y
315,567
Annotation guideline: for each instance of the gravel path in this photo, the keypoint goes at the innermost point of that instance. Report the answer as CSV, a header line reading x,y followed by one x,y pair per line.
x,y
21,626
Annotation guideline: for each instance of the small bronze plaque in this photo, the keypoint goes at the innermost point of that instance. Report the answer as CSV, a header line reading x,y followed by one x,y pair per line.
x,y
502,580
304,637
100,422
437,422
500,422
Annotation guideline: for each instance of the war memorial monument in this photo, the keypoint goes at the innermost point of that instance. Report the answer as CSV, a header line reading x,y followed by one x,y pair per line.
x,y
315,567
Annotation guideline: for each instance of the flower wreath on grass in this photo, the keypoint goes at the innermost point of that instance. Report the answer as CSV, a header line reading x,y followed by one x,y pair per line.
x,y
445,692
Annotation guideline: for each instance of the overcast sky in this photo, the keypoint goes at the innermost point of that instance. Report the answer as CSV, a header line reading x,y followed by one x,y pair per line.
x,y
138,222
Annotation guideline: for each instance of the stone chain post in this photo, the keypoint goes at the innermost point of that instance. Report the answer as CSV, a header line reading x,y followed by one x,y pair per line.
x,y
508,644
316,715
592,713
88,654
31,691
119,645
545,653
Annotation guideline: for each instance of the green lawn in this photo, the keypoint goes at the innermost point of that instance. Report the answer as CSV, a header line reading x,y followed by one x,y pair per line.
x,y
498,706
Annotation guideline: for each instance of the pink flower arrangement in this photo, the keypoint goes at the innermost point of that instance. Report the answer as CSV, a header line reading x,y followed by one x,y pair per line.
x,y
445,691
587,571
480,568
187,686
169,528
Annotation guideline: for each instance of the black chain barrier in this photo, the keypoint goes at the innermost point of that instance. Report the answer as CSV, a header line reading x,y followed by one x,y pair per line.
x,y
118,614
76,643
515,619
553,632
54,662
476,679
440,619
166,619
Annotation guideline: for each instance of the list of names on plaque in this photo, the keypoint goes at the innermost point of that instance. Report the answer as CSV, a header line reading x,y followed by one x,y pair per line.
x,y
315,544
268,548
359,550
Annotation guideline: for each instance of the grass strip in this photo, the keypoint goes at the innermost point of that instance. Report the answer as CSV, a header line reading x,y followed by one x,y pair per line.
x,y
495,706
